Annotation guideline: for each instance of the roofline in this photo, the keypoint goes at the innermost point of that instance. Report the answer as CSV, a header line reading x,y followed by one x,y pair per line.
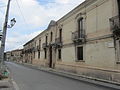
x,y
73,11
81,5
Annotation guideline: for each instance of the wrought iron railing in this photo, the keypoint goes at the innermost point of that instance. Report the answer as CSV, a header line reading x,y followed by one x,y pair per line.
x,y
115,24
58,40
44,45
76,36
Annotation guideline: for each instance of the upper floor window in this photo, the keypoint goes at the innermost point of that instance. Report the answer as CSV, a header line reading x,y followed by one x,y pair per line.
x,y
118,6
60,34
35,43
51,37
80,26
46,39
40,43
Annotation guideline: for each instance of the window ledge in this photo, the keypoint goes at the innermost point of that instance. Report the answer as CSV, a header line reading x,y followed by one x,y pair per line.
x,y
80,60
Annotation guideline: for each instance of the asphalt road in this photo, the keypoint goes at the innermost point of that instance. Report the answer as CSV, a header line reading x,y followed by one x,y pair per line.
x,y
31,79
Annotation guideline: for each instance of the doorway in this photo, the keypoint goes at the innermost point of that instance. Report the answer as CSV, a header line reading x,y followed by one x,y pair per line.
x,y
50,59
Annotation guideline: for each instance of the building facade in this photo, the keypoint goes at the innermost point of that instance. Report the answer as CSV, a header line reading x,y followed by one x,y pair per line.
x,y
8,56
84,41
15,55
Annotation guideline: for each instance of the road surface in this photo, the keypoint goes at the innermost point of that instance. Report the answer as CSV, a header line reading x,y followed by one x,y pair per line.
x,y
31,79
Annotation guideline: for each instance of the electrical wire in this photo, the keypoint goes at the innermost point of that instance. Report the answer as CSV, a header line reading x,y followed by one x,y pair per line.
x,y
1,11
21,12
2,6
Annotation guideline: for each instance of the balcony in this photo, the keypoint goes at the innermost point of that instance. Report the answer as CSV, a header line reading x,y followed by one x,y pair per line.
x,y
38,48
58,42
44,45
76,38
115,25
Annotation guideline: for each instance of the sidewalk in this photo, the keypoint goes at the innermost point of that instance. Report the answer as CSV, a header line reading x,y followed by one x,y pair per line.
x,y
82,78
6,84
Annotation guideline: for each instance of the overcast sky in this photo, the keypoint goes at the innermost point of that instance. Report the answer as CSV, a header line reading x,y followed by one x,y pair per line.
x,y
32,16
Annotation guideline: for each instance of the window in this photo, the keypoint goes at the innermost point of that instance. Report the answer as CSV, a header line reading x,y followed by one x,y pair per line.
x,y
38,54
45,53
46,39
39,43
35,43
59,53
119,6
34,54
118,50
51,37
60,35
80,27
79,53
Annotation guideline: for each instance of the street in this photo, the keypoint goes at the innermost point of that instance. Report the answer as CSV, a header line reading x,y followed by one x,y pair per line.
x,y
31,79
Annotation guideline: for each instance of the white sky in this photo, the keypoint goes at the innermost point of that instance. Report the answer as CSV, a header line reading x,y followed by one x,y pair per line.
x,y
32,16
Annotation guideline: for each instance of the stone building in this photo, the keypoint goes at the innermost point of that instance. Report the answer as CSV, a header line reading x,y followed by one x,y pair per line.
x,y
15,55
84,41
29,52
8,55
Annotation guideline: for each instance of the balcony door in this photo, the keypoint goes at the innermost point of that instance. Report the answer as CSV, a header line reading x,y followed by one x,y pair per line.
x,y
80,27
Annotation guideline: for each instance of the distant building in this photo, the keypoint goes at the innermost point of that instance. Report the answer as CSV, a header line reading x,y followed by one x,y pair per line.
x,y
85,41
8,56
28,52
15,55
0,37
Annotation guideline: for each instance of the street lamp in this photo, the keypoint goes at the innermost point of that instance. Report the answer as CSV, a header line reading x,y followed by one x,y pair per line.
x,y
1,34
3,70
12,23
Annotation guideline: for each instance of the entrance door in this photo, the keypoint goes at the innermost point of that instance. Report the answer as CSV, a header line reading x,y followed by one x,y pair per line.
x,y
50,62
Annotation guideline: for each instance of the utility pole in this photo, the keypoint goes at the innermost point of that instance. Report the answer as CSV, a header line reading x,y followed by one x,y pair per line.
x,y
2,48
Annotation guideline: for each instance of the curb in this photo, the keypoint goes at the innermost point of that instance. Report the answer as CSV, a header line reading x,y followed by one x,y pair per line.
x,y
86,79
6,84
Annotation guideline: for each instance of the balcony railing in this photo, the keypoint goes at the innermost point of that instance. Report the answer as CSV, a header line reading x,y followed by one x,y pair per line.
x,y
44,45
115,25
58,42
38,48
76,37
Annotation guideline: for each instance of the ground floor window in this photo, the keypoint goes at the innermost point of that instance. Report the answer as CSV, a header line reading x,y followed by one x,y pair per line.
x,y
59,54
80,53
117,51
34,54
38,54
45,51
